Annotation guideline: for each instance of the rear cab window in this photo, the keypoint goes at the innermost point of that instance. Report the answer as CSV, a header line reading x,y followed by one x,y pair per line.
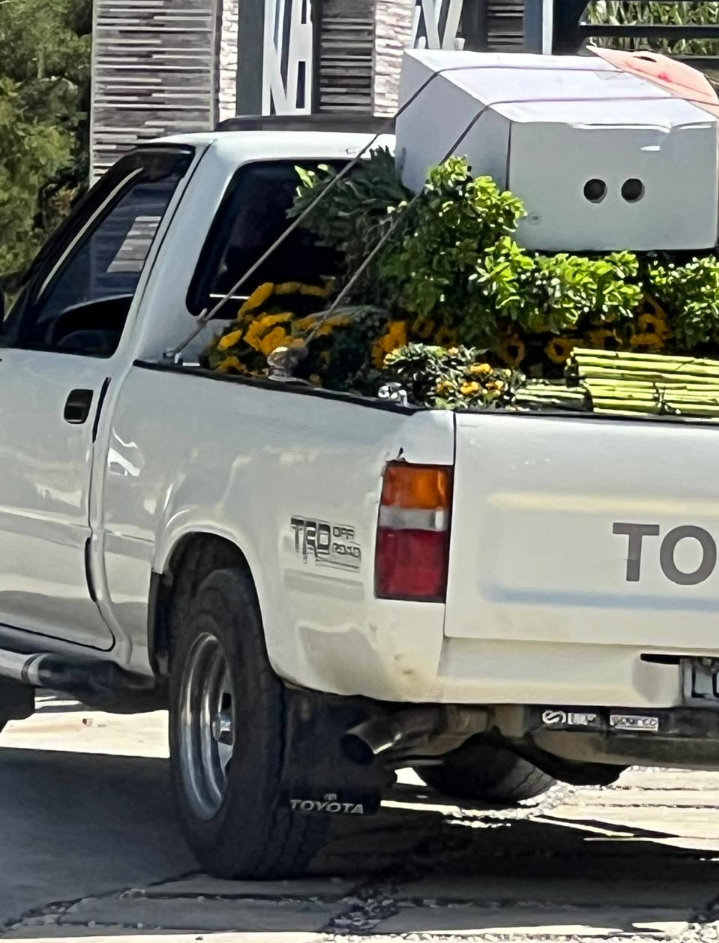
x,y
253,215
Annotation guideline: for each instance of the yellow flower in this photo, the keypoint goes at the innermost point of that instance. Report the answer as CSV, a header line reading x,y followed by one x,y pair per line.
x,y
559,349
270,320
288,288
306,323
395,337
314,291
480,369
277,337
647,342
444,386
512,350
230,364
423,328
260,326
467,389
603,339
258,297
496,386
445,338
229,340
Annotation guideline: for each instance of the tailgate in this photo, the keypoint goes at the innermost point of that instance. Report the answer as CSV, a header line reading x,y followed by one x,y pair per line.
x,y
574,530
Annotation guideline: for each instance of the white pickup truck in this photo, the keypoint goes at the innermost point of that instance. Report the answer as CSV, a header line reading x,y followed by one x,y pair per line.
x,y
324,588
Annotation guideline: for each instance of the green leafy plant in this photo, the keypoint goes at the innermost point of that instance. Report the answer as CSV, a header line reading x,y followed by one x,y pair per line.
x,y
691,294
432,266
569,290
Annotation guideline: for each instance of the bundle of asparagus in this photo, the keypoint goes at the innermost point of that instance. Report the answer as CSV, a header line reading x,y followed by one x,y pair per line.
x,y
621,383
646,383
541,394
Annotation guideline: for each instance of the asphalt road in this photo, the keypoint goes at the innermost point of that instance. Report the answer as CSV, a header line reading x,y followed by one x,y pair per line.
x,y
89,850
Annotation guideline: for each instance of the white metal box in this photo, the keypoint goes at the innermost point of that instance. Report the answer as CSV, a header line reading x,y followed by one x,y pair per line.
x,y
602,159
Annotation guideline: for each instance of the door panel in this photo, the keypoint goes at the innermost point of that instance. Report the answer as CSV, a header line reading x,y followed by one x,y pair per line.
x,y
59,345
44,495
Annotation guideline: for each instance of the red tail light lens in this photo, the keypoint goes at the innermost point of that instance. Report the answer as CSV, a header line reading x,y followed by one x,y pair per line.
x,y
414,529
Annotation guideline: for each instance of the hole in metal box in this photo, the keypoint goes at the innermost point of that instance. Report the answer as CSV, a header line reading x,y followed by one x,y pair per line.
x,y
633,190
595,190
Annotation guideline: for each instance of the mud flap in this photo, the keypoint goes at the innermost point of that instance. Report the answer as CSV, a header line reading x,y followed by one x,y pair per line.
x,y
318,778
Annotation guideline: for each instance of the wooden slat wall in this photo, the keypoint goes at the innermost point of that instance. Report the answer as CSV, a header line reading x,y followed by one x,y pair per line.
x,y
154,72
345,56
506,25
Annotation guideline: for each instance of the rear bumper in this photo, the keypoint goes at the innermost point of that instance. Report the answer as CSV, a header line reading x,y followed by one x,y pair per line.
x,y
407,660
399,653
495,672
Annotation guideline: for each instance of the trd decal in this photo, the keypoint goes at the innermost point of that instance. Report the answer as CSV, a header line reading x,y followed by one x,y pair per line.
x,y
326,544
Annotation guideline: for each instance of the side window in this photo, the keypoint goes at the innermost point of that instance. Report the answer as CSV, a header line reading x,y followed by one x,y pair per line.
x,y
79,295
251,218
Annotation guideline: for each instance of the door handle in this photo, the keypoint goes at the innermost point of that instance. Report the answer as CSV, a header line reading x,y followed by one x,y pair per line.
x,y
78,406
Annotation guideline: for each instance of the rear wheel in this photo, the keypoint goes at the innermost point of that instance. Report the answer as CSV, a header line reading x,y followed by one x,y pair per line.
x,y
227,721
486,772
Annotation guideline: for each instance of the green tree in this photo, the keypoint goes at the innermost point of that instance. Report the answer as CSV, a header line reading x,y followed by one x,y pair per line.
x,y
641,12
44,108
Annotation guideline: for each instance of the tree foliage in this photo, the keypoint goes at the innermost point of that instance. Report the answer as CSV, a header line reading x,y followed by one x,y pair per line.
x,y
641,12
44,108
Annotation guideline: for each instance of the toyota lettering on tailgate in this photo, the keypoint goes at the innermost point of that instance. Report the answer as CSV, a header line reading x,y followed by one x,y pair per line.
x,y
636,534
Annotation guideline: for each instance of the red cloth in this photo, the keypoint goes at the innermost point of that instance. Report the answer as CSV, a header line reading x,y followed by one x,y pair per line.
x,y
676,77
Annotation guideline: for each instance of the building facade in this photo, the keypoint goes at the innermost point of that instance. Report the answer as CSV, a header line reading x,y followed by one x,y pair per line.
x,y
164,66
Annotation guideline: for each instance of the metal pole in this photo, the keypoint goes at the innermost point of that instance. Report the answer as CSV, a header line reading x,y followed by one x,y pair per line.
x,y
250,56
475,24
533,25
547,27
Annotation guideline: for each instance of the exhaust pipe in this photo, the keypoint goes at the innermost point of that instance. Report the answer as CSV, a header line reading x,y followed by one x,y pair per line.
x,y
426,731
382,735
101,684
23,668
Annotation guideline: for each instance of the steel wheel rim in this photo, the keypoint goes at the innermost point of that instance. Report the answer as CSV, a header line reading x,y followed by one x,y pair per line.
x,y
207,725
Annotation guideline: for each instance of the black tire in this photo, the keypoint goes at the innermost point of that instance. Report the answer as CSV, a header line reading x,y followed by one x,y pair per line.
x,y
487,773
17,702
239,830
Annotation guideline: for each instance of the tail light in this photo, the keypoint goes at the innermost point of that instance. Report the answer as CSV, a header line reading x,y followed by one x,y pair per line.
x,y
414,528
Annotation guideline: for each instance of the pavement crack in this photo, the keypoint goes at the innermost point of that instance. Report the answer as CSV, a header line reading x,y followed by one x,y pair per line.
x,y
38,916
53,912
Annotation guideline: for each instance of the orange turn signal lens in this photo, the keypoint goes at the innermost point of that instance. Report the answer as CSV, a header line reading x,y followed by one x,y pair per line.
x,y
417,487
